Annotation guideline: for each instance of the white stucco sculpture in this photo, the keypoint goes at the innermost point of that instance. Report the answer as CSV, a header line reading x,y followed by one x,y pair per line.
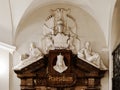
x,y
59,33
48,43
34,51
93,57
60,64
26,59
60,40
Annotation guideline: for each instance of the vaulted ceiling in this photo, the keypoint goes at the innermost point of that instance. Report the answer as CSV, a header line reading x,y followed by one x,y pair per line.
x,y
103,15
13,12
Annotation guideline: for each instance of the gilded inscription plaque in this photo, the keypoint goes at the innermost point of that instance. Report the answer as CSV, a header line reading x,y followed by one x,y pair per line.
x,y
61,80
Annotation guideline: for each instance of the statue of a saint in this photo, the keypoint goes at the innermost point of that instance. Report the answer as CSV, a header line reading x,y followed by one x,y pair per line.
x,y
60,64
87,54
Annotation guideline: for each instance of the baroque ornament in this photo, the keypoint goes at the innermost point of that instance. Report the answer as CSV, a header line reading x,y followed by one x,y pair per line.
x,y
59,32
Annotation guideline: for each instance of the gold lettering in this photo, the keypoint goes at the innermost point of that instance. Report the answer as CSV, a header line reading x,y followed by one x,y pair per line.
x,y
60,78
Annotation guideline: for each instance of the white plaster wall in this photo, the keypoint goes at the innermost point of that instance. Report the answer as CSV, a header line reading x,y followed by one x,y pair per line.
x,y
102,9
115,33
15,81
31,27
18,8
4,72
5,22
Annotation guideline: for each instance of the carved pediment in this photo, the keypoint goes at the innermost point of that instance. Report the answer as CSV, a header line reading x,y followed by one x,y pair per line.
x,y
87,69
33,67
42,73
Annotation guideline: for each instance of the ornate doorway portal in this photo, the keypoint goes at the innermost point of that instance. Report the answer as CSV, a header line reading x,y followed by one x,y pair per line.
x,y
63,65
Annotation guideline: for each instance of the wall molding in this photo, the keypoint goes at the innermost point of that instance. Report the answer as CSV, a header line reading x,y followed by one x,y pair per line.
x,y
7,47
